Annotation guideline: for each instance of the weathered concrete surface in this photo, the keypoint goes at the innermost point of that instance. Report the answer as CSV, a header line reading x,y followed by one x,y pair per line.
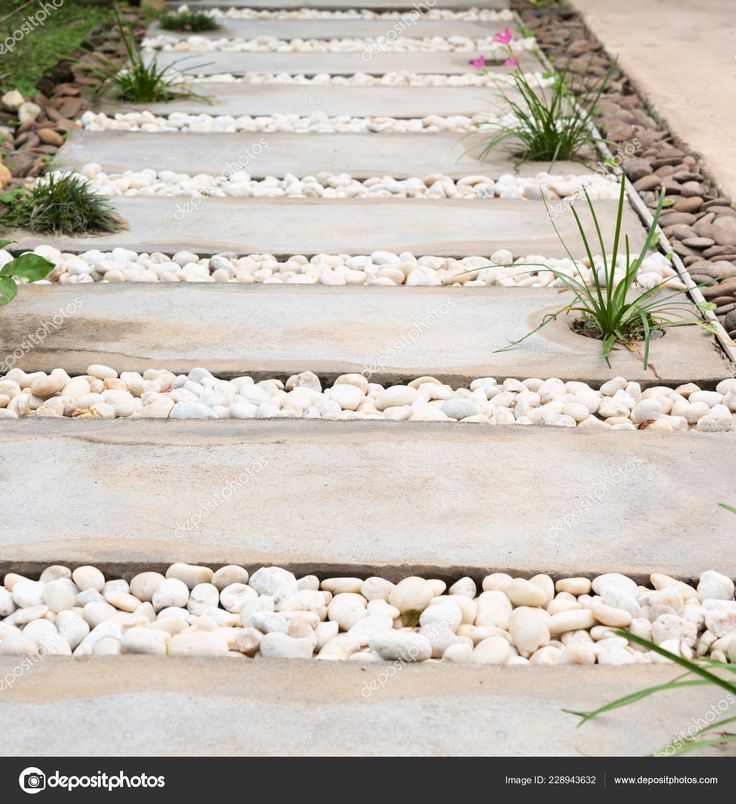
x,y
264,99
412,26
450,227
337,63
339,5
356,496
699,101
360,155
218,707
453,333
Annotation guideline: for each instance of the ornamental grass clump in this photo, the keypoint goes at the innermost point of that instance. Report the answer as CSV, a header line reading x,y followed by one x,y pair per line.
x,y
189,21
699,673
606,306
26,268
143,80
544,124
61,204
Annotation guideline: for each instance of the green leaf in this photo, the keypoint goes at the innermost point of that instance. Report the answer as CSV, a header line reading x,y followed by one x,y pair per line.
x,y
728,507
6,198
30,266
8,290
4,243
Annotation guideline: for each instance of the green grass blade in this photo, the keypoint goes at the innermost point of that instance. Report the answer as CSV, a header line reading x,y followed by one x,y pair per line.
x,y
692,667
633,697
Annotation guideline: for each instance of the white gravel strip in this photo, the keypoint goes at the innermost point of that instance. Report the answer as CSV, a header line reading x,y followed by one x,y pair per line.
x,y
401,79
469,15
618,404
315,123
403,44
193,610
381,268
240,184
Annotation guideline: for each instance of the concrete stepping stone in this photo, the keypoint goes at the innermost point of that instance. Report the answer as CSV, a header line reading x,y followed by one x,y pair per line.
x,y
251,708
371,101
453,227
337,28
394,333
360,155
336,494
310,63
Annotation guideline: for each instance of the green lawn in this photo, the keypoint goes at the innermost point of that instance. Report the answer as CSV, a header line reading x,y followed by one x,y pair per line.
x,y
30,46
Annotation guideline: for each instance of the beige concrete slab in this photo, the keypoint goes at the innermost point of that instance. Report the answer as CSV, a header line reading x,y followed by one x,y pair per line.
x,y
373,101
338,5
411,26
360,155
306,63
698,101
357,496
453,333
355,226
224,707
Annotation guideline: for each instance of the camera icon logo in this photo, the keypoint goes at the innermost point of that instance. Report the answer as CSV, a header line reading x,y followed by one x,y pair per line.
x,y
32,780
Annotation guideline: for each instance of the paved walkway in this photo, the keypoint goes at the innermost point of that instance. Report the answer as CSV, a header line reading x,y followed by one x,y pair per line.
x,y
198,706
682,56
344,497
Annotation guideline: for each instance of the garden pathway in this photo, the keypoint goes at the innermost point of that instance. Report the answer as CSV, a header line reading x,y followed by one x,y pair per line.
x,y
351,497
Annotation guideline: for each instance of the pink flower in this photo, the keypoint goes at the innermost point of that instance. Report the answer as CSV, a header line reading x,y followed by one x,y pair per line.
x,y
503,38
511,63
479,63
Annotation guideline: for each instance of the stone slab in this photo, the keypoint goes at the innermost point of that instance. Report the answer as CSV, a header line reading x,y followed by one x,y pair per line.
x,y
356,497
205,707
332,100
339,5
338,63
276,154
452,333
699,103
450,227
410,27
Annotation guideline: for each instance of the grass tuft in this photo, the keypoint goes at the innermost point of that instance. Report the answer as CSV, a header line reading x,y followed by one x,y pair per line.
x,y
189,21
61,204
143,80
606,310
546,124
